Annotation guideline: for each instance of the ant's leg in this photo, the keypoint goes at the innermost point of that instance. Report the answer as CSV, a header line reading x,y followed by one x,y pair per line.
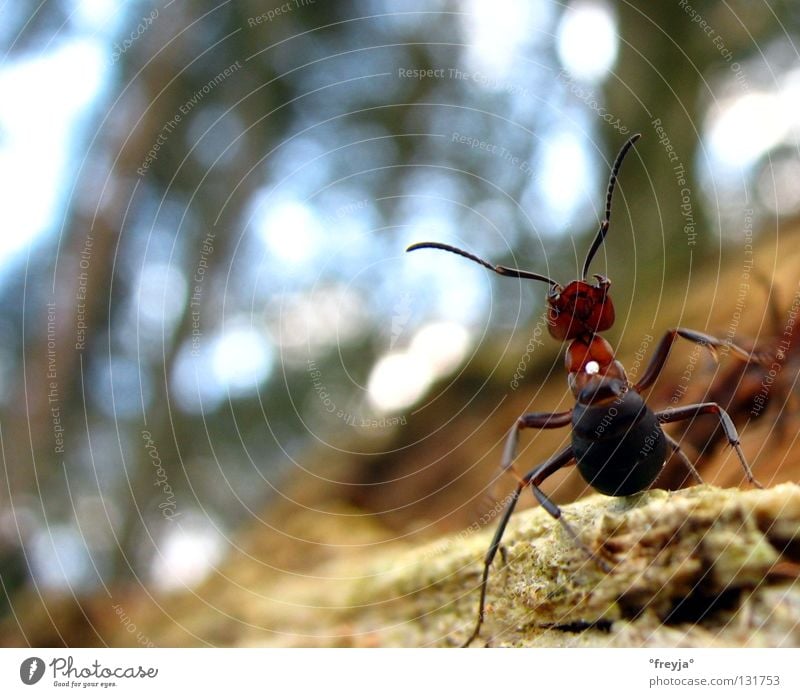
x,y
676,448
711,343
539,474
537,420
688,412
555,511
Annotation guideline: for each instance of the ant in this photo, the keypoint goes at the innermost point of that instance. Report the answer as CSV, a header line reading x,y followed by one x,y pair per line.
x,y
617,440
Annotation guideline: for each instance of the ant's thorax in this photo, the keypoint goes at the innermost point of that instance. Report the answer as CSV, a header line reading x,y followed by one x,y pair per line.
x,y
590,360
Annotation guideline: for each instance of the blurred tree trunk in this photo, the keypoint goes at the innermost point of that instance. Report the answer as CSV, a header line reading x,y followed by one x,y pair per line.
x,y
663,79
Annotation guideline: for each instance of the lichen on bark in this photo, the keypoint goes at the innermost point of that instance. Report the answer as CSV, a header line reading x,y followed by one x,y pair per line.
x,y
690,568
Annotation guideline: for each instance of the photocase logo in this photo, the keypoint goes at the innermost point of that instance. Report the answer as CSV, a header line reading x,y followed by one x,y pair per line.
x,y
31,670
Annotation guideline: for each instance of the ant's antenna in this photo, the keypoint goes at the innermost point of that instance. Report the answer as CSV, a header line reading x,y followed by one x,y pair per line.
x,y
502,270
601,233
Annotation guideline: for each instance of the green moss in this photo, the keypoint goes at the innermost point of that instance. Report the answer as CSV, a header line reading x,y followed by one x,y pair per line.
x,y
670,550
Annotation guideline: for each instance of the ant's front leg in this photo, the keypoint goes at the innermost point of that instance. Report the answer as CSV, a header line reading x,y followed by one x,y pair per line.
x,y
536,420
661,354
535,477
689,412
543,420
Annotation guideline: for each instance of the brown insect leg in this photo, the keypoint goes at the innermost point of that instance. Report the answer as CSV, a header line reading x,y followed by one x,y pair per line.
x,y
688,412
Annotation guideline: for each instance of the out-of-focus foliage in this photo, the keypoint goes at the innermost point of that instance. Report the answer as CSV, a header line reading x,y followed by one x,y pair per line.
x,y
217,294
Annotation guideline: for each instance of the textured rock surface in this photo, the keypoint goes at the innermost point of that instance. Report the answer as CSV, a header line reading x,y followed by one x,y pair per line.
x,y
698,567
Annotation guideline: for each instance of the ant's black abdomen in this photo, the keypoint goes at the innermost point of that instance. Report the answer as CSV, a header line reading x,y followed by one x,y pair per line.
x,y
619,446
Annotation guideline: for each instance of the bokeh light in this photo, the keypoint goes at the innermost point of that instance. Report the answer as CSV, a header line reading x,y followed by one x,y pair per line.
x,y
587,40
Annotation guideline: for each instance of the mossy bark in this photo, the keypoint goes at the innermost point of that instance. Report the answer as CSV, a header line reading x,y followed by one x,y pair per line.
x,y
699,567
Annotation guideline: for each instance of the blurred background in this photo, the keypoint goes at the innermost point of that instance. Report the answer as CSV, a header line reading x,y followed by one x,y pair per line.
x,y
219,366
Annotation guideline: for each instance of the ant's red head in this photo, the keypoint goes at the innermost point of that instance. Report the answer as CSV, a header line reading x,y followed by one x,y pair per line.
x,y
580,309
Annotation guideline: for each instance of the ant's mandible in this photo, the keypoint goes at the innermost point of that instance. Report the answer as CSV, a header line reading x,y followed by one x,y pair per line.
x,y
617,440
